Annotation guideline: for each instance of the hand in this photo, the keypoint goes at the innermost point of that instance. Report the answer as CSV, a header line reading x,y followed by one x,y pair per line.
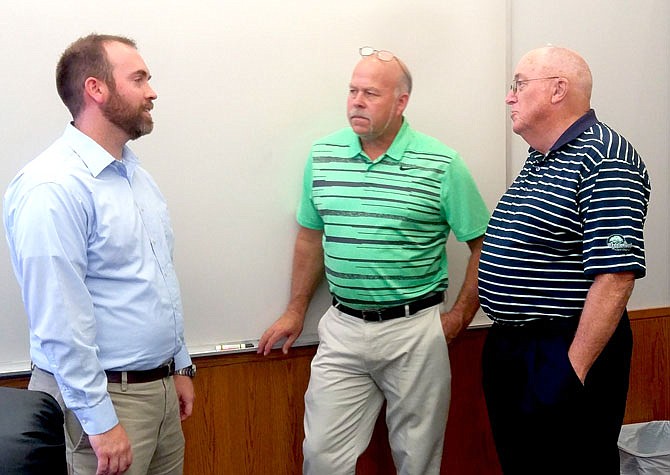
x,y
186,395
288,326
580,370
451,325
113,450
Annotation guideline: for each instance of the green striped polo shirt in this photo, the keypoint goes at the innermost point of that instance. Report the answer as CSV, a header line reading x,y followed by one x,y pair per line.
x,y
386,223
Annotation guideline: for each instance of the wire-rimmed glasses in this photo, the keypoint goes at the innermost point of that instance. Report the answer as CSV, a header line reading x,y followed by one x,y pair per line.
x,y
514,87
381,54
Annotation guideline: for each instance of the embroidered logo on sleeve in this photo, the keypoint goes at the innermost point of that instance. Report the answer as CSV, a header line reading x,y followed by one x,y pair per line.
x,y
617,242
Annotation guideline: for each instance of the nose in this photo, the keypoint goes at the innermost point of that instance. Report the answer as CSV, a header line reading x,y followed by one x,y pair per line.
x,y
357,99
510,98
151,93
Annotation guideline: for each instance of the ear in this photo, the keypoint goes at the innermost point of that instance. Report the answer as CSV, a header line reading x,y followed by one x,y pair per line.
x,y
95,89
560,90
403,99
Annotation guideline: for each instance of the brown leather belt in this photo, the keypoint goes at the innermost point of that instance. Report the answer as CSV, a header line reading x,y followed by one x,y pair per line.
x,y
143,376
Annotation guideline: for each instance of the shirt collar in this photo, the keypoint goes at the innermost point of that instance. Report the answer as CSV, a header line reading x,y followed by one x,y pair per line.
x,y
575,130
93,155
400,142
397,148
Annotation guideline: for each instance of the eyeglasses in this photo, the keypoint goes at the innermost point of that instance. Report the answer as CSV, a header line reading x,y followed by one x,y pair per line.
x,y
381,54
387,56
514,87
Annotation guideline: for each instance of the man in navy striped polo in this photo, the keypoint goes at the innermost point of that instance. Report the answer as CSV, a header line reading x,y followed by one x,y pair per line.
x,y
558,265
379,201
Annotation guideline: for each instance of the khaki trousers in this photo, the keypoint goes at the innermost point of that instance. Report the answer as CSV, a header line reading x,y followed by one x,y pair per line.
x,y
149,413
360,364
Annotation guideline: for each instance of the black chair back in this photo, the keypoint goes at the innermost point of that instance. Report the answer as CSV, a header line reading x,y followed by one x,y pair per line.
x,y
32,438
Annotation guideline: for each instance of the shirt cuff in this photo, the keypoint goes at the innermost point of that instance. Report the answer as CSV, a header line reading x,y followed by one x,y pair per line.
x,y
182,359
98,419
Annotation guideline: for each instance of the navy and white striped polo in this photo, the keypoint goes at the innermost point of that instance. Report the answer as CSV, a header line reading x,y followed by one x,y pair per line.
x,y
575,213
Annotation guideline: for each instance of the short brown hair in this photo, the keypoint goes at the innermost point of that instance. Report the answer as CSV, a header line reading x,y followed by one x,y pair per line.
x,y
84,58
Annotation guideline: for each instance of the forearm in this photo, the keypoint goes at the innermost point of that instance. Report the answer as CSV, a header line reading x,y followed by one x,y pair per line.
x,y
307,269
604,306
467,301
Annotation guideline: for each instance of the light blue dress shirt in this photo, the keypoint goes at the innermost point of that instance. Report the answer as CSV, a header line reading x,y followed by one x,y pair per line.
x,y
91,244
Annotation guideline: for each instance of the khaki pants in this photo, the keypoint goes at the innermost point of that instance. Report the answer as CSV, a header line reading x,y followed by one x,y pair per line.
x,y
149,412
360,364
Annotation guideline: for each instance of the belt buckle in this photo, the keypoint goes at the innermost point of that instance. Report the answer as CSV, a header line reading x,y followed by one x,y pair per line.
x,y
375,315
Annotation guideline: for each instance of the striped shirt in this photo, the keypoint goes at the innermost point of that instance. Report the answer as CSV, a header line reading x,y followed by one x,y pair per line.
x,y
386,222
575,213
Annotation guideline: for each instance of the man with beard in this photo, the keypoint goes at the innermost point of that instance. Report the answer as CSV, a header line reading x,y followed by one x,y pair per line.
x,y
91,245
379,200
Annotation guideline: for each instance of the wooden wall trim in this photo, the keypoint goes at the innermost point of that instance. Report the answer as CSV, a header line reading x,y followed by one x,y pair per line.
x,y
248,413
658,312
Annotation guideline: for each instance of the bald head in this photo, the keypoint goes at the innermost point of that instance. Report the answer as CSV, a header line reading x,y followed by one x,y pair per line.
x,y
393,72
563,62
551,90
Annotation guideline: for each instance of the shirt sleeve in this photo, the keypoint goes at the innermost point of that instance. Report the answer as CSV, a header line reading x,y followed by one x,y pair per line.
x,y
463,206
48,227
182,358
307,214
613,204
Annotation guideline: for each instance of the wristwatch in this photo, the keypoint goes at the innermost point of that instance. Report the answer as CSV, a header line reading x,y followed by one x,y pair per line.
x,y
187,371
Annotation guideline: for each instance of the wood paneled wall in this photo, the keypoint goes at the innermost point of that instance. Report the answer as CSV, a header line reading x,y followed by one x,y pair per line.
x,y
649,391
248,414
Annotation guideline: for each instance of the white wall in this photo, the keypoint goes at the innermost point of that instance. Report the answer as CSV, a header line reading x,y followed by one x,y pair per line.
x,y
243,88
627,45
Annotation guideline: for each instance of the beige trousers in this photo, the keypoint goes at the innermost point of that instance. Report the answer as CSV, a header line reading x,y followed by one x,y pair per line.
x,y
360,364
149,413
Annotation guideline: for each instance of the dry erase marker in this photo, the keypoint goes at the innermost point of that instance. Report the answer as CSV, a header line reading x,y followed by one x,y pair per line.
x,y
234,346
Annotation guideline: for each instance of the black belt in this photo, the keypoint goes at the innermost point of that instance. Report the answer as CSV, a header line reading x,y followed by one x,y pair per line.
x,y
389,313
143,376
539,324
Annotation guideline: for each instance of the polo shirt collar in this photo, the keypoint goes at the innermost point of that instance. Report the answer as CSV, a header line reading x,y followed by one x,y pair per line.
x,y
585,122
397,148
400,142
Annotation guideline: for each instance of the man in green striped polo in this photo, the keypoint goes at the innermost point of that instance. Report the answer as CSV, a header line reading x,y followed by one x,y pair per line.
x,y
379,201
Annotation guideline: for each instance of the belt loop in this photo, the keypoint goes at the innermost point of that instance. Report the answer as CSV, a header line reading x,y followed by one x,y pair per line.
x,y
124,381
407,312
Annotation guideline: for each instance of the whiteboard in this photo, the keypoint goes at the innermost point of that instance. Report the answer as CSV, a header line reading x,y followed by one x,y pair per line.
x,y
244,88
627,46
